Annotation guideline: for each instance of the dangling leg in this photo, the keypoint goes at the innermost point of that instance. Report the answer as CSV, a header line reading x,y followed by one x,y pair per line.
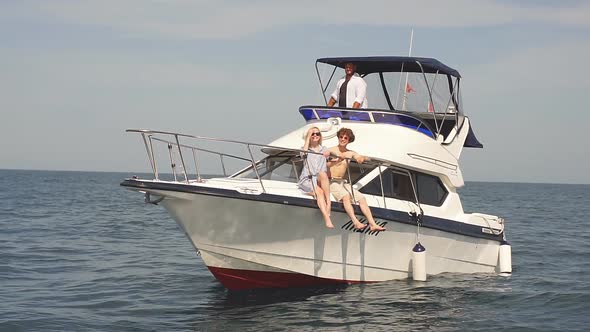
x,y
347,202
367,212
324,183
320,198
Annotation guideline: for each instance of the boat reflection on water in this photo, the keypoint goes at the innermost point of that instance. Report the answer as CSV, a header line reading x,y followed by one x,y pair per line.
x,y
447,301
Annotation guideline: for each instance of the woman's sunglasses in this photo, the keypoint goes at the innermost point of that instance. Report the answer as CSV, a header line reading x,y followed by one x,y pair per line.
x,y
316,134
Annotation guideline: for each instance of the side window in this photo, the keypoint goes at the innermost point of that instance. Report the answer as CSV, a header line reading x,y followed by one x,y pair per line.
x,y
430,190
397,184
402,187
357,171
279,168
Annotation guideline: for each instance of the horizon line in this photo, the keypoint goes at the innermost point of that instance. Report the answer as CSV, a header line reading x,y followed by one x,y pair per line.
x,y
148,172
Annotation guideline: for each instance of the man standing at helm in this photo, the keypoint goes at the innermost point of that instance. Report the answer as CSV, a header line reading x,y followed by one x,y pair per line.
x,y
351,91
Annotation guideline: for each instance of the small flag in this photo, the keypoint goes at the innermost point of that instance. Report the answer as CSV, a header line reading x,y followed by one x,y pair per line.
x,y
430,108
409,88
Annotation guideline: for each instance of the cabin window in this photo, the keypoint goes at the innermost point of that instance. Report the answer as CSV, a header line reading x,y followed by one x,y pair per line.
x,y
357,171
430,189
397,184
278,168
287,168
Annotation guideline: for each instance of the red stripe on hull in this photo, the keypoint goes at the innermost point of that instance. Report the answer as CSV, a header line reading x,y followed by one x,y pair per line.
x,y
247,279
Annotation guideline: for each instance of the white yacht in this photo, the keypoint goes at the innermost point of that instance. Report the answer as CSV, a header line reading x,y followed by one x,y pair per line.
x,y
254,228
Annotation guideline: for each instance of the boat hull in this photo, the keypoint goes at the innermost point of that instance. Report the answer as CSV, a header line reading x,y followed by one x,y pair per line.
x,y
237,279
252,243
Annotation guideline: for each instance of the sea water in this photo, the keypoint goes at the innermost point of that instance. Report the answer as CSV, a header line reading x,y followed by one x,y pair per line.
x,y
80,253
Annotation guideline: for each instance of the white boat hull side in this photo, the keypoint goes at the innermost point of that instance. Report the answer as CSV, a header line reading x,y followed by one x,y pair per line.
x,y
262,236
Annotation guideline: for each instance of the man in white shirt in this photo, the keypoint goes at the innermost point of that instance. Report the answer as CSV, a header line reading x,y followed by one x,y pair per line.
x,y
351,91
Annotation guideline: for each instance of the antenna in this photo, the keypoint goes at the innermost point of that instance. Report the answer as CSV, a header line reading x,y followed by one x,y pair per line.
x,y
406,85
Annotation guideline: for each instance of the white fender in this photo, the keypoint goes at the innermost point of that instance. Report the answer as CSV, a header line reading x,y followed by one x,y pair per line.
x,y
505,258
419,262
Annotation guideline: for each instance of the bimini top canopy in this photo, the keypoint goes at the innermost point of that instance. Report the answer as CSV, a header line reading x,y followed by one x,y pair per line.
x,y
385,64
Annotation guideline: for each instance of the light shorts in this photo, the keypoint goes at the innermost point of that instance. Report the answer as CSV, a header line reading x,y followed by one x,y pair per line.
x,y
340,189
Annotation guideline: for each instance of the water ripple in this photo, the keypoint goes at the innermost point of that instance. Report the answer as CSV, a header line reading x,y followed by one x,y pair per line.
x,y
77,252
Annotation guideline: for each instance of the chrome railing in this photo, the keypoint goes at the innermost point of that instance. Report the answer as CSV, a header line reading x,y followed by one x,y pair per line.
x,y
172,140
173,143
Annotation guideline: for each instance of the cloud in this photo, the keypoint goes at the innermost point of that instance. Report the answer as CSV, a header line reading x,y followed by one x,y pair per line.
x,y
207,19
527,109
65,109
45,78
520,98
553,71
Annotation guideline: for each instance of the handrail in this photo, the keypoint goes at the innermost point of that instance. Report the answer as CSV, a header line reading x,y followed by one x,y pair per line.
x,y
282,148
151,155
149,131
175,142
204,150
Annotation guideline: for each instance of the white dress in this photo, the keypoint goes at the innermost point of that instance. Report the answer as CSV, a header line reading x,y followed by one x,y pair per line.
x,y
312,165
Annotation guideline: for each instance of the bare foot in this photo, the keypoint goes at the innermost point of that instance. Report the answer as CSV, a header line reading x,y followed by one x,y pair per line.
x,y
359,225
377,228
328,221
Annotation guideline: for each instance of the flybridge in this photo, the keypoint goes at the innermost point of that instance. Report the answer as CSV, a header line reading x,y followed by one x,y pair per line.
x,y
400,83
420,93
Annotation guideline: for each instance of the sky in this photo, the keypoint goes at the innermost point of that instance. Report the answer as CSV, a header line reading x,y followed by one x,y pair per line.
x,y
75,74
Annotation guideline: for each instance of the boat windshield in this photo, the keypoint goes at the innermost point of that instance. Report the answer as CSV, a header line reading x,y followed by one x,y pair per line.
x,y
401,84
287,167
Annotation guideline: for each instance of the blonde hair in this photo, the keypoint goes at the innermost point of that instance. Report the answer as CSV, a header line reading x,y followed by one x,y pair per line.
x,y
321,137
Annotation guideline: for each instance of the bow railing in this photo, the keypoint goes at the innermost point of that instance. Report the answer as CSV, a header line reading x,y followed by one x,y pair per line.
x,y
194,146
